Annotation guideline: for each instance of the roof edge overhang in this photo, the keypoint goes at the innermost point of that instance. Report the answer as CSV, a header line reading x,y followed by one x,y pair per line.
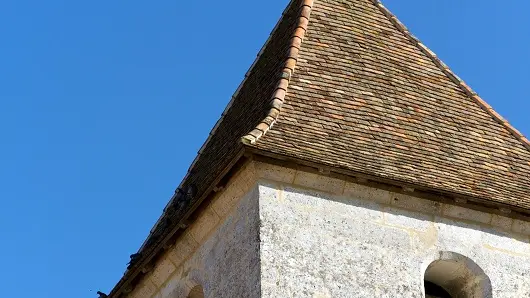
x,y
149,254
250,153
395,185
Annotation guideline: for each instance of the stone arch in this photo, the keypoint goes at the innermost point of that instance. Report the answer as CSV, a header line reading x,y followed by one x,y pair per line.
x,y
196,292
458,275
187,284
196,283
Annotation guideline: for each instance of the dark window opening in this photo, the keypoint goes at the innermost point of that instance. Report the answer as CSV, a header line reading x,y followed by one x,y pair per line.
x,y
456,276
433,290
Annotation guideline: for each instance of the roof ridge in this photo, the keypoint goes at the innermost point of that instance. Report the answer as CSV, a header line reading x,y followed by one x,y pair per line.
x,y
278,97
451,75
128,274
216,126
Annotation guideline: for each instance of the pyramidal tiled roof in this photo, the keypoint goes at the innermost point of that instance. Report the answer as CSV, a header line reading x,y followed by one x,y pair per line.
x,y
342,83
366,95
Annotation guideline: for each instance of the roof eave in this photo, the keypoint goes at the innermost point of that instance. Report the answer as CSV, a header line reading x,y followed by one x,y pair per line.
x,y
427,192
147,256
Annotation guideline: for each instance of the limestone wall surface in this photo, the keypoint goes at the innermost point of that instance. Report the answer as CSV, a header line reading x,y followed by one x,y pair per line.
x,y
281,232
325,237
219,251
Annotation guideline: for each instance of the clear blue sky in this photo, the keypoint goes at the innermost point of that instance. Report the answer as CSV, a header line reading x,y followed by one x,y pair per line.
x,y
104,104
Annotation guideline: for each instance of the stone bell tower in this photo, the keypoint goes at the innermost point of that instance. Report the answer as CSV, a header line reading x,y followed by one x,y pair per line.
x,y
351,162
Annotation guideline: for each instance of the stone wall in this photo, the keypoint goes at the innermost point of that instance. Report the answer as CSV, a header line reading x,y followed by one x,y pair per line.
x,y
325,237
219,251
280,232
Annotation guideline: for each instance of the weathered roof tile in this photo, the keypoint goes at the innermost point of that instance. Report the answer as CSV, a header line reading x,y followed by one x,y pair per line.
x,y
401,112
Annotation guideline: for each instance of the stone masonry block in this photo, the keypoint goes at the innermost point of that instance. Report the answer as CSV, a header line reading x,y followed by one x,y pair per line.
x,y
246,178
175,287
275,173
467,214
521,227
502,222
235,190
408,220
359,191
226,201
204,224
505,242
417,204
184,247
319,182
163,270
145,289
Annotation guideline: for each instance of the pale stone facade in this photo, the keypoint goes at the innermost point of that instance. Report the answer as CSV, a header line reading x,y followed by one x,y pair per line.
x,y
219,251
280,232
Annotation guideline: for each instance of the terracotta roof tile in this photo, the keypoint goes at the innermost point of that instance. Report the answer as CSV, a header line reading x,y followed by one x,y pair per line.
x,y
368,96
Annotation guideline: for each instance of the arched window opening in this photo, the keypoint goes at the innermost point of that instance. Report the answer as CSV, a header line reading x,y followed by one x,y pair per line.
x,y
433,290
456,276
196,292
